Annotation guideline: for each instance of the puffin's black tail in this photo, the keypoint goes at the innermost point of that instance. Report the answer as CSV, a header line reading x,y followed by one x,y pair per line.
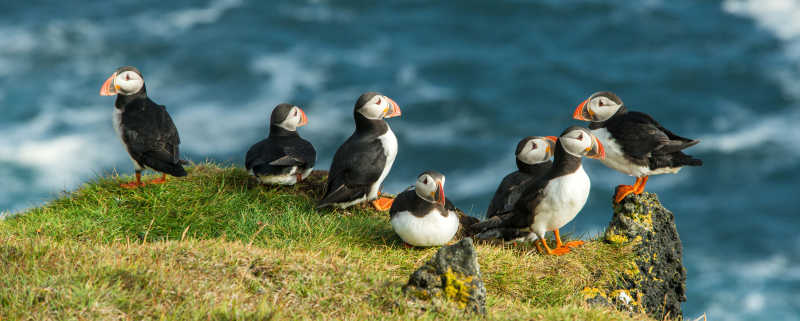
x,y
166,167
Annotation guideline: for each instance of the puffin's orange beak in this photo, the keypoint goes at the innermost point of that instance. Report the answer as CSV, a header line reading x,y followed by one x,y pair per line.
x,y
582,113
552,145
441,193
303,118
395,109
597,150
109,89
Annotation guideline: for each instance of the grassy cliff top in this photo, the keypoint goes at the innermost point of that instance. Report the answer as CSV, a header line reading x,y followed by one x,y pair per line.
x,y
217,246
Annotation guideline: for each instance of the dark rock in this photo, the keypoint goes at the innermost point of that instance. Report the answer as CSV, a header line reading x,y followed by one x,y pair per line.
x,y
453,274
657,282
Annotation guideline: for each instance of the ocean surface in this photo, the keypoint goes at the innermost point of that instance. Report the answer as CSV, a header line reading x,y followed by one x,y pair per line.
x,y
472,78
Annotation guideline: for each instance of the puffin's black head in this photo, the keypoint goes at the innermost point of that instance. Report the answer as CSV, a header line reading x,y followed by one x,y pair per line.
x,y
126,81
536,149
600,106
430,187
375,106
288,117
580,141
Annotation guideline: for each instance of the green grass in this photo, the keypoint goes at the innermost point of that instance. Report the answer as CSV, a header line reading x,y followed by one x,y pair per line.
x,y
215,245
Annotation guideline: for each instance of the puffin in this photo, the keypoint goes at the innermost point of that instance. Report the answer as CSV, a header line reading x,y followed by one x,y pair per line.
x,y
636,144
283,158
144,127
533,160
554,199
422,216
362,162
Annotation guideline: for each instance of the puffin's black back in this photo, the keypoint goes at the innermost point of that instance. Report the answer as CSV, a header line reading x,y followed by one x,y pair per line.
x,y
645,142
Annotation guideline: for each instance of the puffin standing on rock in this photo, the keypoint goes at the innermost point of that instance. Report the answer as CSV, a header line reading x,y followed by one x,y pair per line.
x,y
552,201
145,128
533,160
283,157
361,164
636,144
422,216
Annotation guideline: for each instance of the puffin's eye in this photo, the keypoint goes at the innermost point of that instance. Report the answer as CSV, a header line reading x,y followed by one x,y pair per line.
x,y
600,103
127,76
295,112
580,136
425,181
378,102
533,145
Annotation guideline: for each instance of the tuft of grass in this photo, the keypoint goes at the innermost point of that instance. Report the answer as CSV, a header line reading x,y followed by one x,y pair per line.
x,y
216,245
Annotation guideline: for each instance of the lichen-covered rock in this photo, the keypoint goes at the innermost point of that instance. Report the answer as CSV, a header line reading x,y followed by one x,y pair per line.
x,y
453,274
656,281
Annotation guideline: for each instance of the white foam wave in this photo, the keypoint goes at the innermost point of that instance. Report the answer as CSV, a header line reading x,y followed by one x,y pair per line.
x,y
184,19
318,12
213,126
751,297
779,16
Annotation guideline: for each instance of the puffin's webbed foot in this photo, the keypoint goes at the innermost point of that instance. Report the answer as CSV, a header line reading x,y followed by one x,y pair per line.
x,y
622,192
160,180
383,203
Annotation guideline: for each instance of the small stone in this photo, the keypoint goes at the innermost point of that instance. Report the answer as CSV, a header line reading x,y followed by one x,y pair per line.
x,y
453,274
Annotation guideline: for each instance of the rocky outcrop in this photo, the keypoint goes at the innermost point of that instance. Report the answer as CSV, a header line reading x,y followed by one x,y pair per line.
x,y
452,274
655,282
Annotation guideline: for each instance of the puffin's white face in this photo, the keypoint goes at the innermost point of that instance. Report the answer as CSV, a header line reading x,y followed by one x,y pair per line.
x,y
602,108
430,189
536,151
579,142
128,83
598,107
380,107
295,118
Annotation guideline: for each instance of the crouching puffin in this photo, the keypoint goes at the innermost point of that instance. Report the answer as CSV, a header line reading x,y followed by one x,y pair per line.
x,y
361,164
145,128
636,144
552,201
533,160
422,216
283,157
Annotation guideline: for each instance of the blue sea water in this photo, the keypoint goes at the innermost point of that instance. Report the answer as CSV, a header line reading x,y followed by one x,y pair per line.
x,y
472,78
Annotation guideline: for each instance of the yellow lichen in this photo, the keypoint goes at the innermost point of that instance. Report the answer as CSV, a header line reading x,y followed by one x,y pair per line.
x,y
631,269
457,287
589,293
615,238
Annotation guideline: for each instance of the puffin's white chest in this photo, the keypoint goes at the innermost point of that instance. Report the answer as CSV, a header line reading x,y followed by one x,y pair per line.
x,y
433,229
563,199
389,144
615,158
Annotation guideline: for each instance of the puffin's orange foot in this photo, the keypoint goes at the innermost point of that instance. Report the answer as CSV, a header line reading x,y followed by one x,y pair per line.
x,y
160,180
299,177
559,251
383,203
132,185
573,244
622,192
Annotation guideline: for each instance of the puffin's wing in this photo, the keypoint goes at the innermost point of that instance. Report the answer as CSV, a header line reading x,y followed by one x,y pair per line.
x,y
403,202
302,151
521,216
639,134
152,138
356,166
255,155
287,160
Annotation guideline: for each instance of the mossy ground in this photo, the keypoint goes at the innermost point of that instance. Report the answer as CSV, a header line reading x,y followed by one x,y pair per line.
x,y
215,245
